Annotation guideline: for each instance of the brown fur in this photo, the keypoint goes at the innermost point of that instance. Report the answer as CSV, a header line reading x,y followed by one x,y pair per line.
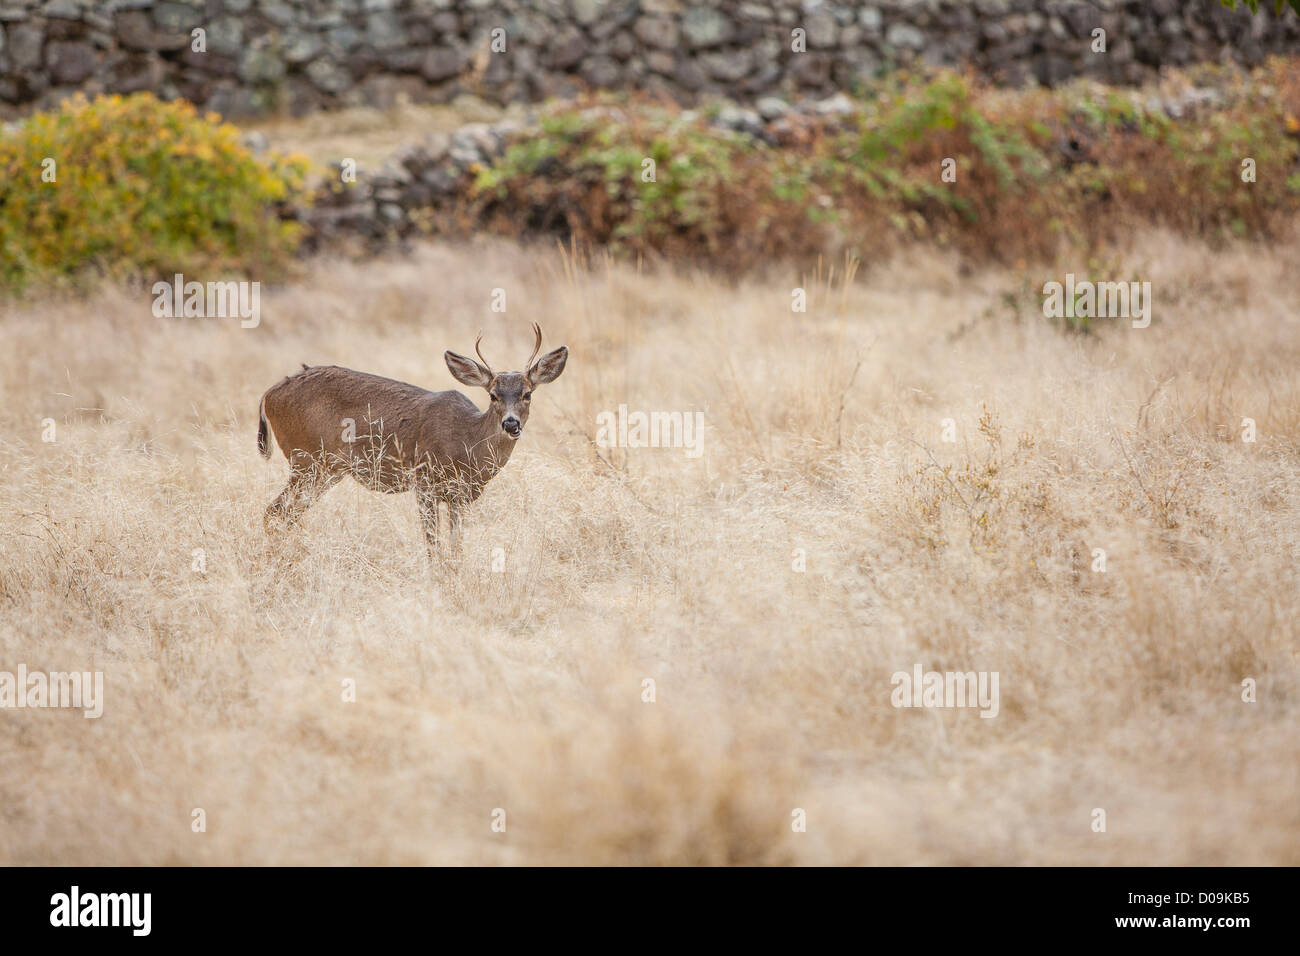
x,y
400,437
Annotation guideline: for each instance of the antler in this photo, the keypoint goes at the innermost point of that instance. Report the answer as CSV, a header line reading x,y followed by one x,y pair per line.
x,y
537,347
480,354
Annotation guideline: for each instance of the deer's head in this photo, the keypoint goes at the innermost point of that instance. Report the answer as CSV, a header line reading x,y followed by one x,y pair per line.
x,y
510,392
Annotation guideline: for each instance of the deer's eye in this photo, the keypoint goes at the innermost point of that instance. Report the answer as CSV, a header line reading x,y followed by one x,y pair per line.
x,y
527,396
494,396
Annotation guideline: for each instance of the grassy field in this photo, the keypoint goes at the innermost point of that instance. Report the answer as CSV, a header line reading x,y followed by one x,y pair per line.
x,y
522,690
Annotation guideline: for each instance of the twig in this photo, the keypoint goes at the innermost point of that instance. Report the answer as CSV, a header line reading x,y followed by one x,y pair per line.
x,y
604,461
943,471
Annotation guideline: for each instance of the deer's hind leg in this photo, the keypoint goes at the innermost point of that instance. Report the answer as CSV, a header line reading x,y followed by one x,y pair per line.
x,y
306,484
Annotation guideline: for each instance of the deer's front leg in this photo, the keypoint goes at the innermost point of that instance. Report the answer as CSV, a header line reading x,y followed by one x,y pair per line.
x,y
427,500
455,511
459,497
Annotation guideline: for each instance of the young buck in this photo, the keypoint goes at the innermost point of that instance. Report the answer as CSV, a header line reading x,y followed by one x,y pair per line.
x,y
394,437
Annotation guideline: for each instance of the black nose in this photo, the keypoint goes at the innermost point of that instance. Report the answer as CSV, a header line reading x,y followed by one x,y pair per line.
x,y
511,424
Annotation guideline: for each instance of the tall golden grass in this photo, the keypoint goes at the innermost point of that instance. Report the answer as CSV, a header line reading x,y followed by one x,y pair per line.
x,y
523,690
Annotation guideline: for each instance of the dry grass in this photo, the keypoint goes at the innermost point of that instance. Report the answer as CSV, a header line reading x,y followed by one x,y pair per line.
x,y
522,690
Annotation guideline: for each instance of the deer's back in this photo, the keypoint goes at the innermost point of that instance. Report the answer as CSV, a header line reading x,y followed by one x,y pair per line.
x,y
404,425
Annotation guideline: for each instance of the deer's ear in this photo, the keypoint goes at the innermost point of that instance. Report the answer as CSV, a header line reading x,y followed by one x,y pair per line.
x,y
467,371
549,366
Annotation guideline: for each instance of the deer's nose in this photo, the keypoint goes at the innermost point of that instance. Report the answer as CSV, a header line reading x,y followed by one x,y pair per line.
x,y
512,426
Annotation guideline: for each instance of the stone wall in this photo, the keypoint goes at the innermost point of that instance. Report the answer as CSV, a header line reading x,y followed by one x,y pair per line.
x,y
301,55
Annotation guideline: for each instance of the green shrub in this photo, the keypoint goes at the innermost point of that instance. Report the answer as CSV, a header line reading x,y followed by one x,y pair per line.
x,y
586,175
140,188
1036,172
1278,5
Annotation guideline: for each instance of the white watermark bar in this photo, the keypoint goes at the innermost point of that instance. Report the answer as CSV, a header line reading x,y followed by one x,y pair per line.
x,y
212,300
946,689
82,690
659,429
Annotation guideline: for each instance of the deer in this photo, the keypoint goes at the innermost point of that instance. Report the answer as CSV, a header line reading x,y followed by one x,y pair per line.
x,y
332,422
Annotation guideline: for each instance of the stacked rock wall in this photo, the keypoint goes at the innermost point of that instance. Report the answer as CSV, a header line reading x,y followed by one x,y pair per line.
x,y
300,55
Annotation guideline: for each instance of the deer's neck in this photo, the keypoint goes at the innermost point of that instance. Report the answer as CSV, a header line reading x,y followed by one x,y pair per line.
x,y
491,448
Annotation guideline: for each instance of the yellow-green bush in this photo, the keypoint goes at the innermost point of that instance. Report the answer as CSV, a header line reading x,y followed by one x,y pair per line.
x,y
140,188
